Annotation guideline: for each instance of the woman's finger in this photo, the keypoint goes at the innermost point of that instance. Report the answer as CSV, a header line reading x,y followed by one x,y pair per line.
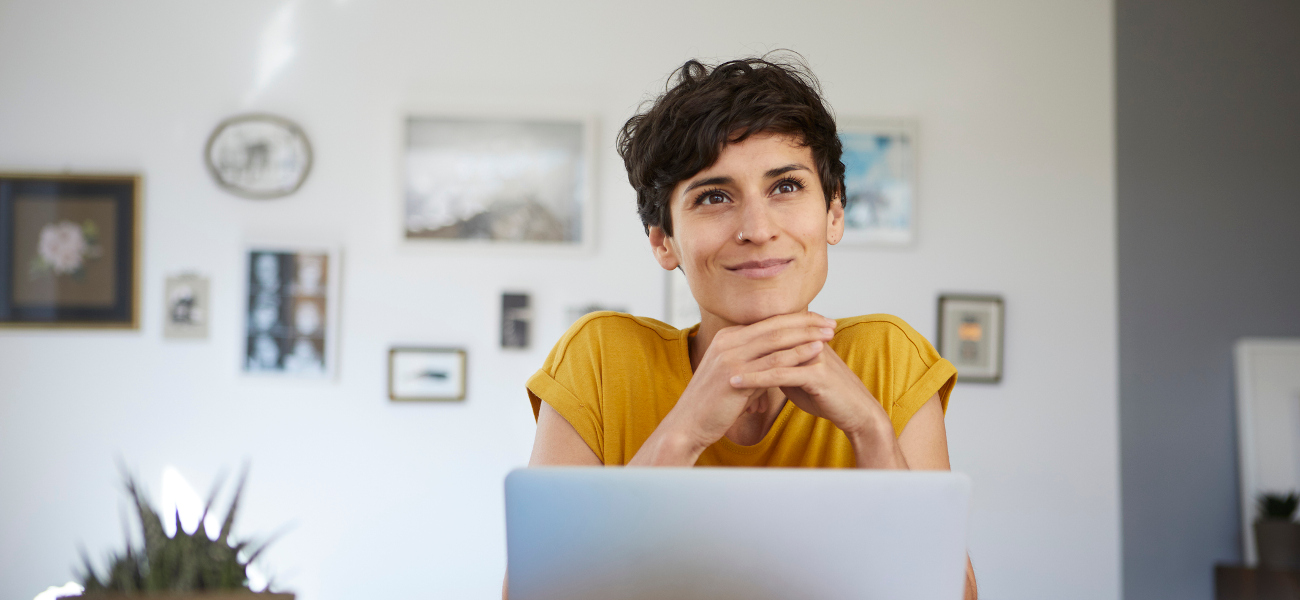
x,y
776,333
786,358
778,377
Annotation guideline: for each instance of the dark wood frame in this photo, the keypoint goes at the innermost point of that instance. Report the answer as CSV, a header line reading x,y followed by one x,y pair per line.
x,y
464,373
1001,332
126,190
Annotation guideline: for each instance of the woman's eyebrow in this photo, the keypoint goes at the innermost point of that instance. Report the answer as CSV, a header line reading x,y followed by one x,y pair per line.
x,y
777,172
709,181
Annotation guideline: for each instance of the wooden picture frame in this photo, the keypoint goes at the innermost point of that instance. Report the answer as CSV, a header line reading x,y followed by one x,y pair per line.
x,y
70,251
418,374
971,336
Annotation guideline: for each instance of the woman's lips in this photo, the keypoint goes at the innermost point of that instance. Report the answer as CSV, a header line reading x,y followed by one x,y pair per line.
x,y
759,269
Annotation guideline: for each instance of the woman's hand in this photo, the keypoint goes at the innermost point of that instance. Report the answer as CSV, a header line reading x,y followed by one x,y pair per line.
x,y
710,405
825,387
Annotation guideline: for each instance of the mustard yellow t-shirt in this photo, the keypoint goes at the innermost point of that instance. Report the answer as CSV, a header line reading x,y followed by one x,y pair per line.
x,y
614,377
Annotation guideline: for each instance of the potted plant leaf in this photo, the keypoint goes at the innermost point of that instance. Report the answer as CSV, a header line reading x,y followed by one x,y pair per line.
x,y
181,567
1277,536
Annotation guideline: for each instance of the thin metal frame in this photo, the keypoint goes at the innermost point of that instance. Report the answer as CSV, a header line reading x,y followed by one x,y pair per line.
x,y
1001,333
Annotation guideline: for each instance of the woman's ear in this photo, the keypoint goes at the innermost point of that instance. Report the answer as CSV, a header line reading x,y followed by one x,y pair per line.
x,y
662,246
835,220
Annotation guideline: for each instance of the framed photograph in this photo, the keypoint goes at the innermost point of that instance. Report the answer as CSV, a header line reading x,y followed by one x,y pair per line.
x,y
880,182
516,320
680,309
426,374
291,310
258,156
970,336
511,181
187,307
69,251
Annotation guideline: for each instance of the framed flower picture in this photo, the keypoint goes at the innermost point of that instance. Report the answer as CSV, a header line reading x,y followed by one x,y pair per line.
x,y
69,251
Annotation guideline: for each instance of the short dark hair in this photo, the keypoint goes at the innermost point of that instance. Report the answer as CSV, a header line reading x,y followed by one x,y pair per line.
x,y
704,108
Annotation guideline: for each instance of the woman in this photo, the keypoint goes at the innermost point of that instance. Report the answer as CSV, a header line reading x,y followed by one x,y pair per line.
x,y
739,184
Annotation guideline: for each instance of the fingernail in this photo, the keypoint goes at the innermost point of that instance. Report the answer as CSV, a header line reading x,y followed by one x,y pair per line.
x,y
815,346
828,331
736,380
831,322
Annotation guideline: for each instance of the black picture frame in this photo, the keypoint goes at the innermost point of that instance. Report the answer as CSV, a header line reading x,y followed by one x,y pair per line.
x,y
120,308
971,371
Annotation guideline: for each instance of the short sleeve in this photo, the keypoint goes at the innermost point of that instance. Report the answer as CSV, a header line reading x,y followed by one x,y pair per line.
x,y
569,381
897,364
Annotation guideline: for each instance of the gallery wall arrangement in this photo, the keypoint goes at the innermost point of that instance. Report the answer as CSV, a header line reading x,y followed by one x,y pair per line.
x,y
70,250
71,243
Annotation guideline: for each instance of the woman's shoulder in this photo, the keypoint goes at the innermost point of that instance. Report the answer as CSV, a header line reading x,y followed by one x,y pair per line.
x,y
881,332
608,328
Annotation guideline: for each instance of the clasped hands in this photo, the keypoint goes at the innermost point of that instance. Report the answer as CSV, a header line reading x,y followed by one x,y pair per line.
x,y
789,352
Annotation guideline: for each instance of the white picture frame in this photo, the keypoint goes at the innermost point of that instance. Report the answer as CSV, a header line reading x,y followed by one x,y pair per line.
x,y
290,309
1268,425
880,173
187,306
484,181
427,374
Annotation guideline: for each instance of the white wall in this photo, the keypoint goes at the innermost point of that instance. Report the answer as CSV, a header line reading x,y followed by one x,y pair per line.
x,y
1015,105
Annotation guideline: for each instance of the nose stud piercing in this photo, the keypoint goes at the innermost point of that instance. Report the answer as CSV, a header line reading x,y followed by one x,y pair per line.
x,y
740,236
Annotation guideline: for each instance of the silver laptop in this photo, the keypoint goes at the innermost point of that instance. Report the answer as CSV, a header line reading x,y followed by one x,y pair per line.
x,y
588,533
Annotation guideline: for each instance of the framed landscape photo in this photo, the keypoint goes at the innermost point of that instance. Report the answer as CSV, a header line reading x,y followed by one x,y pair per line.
x,y
498,181
426,374
970,336
291,310
70,251
880,181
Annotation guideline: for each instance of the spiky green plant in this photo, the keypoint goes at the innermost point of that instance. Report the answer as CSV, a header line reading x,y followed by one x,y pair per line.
x,y
184,562
1277,506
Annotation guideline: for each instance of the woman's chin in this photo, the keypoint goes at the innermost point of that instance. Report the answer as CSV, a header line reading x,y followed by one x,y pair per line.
x,y
748,315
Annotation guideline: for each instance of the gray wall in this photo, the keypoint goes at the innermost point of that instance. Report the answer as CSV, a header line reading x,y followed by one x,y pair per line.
x,y
1208,173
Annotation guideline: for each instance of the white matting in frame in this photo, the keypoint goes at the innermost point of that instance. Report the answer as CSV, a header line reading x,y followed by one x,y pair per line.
x,y
1268,426
971,336
493,180
426,374
291,310
880,176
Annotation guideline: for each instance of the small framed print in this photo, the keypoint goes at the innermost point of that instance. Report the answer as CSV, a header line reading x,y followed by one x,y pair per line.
x,y
291,310
258,156
187,307
69,251
516,320
416,374
970,336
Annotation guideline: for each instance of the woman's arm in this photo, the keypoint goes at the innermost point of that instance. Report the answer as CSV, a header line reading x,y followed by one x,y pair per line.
x,y
558,443
924,446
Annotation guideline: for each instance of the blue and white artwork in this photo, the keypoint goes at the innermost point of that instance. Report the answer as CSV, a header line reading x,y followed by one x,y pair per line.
x,y
880,181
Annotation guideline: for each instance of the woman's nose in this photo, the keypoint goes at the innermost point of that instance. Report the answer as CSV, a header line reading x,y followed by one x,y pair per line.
x,y
756,223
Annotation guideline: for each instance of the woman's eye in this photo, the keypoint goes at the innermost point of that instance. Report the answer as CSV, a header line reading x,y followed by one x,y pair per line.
x,y
785,187
711,198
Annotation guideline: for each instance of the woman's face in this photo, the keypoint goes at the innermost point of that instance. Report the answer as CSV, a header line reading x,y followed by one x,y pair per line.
x,y
751,231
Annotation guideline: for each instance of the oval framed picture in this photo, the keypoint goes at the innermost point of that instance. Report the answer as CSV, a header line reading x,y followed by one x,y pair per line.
x,y
258,156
